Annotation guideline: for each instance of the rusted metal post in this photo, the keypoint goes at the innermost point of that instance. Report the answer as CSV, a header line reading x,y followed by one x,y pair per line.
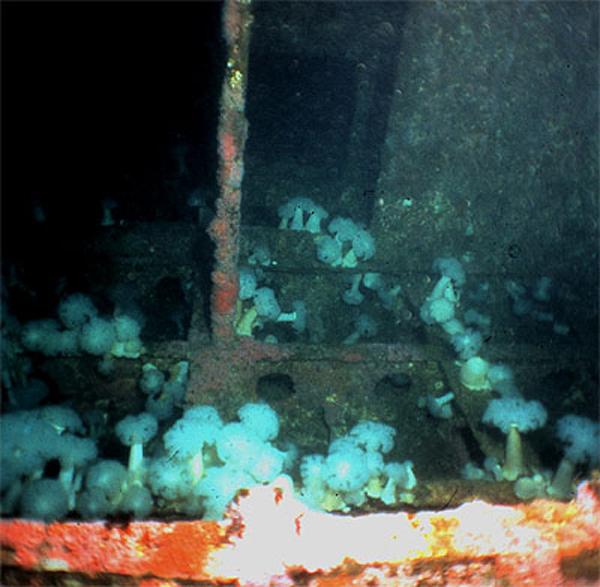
x,y
224,230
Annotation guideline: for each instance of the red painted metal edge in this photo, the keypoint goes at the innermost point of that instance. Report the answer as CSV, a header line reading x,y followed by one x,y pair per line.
x,y
270,538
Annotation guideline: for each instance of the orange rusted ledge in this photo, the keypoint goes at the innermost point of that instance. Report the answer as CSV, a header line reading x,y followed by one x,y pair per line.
x,y
270,538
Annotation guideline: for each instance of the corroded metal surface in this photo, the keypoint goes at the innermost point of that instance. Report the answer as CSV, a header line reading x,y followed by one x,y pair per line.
x,y
232,133
270,538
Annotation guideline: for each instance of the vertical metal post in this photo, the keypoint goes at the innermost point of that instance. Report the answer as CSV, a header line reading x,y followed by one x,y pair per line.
x,y
232,132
